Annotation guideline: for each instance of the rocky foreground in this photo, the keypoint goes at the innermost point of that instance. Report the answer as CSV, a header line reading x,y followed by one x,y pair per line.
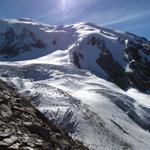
x,y
23,127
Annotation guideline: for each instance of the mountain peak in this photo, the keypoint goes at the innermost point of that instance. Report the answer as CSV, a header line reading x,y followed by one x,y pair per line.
x,y
90,47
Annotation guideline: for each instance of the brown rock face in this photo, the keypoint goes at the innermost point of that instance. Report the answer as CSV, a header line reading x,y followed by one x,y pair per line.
x,y
24,127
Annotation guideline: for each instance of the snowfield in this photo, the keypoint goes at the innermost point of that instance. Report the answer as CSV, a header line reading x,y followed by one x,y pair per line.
x,y
90,108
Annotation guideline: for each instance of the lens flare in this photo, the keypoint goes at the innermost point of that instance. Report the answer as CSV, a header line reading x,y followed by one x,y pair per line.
x,y
64,3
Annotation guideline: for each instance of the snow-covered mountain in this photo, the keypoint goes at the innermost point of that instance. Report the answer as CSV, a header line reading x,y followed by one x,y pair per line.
x,y
90,80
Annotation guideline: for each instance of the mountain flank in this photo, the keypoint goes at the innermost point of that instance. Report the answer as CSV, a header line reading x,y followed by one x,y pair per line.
x,y
24,127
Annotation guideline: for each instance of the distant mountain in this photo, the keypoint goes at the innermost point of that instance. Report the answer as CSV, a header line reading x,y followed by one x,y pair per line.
x,y
91,81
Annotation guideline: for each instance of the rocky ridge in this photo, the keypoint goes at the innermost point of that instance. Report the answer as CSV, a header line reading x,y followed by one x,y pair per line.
x,y
24,127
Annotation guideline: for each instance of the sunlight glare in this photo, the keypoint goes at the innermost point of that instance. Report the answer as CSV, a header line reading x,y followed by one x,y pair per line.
x,y
64,3
67,4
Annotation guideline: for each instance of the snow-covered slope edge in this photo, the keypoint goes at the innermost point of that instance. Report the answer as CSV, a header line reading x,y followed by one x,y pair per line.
x,y
87,106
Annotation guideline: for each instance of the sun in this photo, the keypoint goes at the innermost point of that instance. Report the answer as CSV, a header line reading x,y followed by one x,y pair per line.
x,y
64,1
64,4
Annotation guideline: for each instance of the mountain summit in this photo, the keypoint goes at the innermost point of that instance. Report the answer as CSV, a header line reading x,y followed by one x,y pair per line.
x,y
91,81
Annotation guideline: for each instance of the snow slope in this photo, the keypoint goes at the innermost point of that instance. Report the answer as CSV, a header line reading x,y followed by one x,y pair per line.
x,y
90,108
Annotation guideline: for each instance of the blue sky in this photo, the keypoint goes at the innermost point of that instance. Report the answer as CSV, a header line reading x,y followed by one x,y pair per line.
x,y
125,15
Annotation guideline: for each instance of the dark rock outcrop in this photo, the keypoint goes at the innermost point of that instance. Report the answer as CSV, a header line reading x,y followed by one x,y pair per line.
x,y
136,54
24,127
114,70
12,44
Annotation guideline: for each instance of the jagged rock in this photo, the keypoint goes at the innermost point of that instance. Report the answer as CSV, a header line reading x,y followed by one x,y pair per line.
x,y
10,140
28,128
136,55
1,100
5,111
